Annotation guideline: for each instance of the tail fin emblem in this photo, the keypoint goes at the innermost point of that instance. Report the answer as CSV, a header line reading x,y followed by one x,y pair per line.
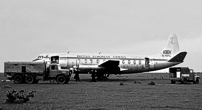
x,y
172,41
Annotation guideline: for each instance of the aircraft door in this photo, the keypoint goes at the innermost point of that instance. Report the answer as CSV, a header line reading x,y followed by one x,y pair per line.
x,y
55,59
147,64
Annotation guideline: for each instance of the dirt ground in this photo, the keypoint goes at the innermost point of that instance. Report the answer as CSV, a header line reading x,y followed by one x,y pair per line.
x,y
126,92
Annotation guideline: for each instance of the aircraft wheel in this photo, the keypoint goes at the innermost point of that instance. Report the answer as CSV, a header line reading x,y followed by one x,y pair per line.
x,y
61,79
18,79
29,79
172,82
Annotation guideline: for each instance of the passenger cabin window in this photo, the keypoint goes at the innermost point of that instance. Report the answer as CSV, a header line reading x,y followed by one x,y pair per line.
x,y
128,61
140,62
134,62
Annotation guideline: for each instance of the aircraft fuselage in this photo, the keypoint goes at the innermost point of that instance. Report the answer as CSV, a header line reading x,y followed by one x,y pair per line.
x,y
126,64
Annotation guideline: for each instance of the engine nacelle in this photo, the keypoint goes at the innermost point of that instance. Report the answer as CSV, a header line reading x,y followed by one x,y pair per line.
x,y
90,67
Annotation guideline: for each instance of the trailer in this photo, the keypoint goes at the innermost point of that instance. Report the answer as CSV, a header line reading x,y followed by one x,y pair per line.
x,y
33,72
183,75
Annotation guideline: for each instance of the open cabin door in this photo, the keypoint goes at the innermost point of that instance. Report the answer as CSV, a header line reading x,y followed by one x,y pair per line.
x,y
149,63
55,59
147,66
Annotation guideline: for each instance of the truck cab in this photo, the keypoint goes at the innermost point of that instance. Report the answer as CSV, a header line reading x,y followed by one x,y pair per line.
x,y
60,75
183,75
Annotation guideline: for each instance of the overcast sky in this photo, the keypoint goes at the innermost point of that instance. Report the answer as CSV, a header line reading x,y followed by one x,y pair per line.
x,y
139,27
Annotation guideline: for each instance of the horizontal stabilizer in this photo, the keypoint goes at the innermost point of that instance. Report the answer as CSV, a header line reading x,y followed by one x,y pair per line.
x,y
179,57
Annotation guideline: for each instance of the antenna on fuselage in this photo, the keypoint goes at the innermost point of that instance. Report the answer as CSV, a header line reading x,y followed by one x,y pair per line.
x,y
68,52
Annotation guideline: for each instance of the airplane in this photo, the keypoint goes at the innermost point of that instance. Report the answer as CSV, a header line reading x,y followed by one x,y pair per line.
x,y
105,64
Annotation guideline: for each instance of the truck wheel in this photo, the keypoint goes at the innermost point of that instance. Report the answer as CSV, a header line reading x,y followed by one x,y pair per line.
x,y
18,79
61,79
29,79
172,82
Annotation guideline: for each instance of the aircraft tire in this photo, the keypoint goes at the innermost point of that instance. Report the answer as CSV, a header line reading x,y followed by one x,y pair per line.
x,y
173,82
61,79
18,79
29,79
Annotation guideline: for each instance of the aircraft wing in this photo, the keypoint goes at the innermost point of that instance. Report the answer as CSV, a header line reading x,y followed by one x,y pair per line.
x,y
109,63
112,66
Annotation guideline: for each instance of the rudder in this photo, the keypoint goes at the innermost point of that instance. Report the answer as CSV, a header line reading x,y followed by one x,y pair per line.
x,y
172,47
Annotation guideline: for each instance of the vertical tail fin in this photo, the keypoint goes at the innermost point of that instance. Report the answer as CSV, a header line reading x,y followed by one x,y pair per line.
x,y
172,47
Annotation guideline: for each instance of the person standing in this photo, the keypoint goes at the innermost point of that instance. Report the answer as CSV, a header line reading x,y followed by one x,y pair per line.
x,y
93,77
77,76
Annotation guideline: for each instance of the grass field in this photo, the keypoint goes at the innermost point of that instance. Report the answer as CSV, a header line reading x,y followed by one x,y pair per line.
x,y
109,95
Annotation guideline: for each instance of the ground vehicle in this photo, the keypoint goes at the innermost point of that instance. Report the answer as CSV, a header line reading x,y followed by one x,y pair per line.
x,y
183,75
32,72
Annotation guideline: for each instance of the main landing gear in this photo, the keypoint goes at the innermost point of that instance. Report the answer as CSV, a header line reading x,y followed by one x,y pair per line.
x,y
100,76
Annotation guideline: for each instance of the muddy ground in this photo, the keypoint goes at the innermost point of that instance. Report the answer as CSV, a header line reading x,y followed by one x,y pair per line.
x,y
126,92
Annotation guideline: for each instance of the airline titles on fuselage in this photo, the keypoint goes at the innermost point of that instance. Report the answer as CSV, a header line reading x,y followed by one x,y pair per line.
x,y
93,56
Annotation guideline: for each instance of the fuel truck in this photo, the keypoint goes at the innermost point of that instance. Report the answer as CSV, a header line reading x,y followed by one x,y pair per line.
x,y
33,72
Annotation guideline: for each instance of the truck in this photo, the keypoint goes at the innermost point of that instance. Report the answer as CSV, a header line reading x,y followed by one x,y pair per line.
x,y
33,72
183,75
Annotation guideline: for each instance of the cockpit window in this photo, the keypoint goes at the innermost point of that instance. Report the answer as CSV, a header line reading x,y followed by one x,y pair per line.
x,y
42,57
36,59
